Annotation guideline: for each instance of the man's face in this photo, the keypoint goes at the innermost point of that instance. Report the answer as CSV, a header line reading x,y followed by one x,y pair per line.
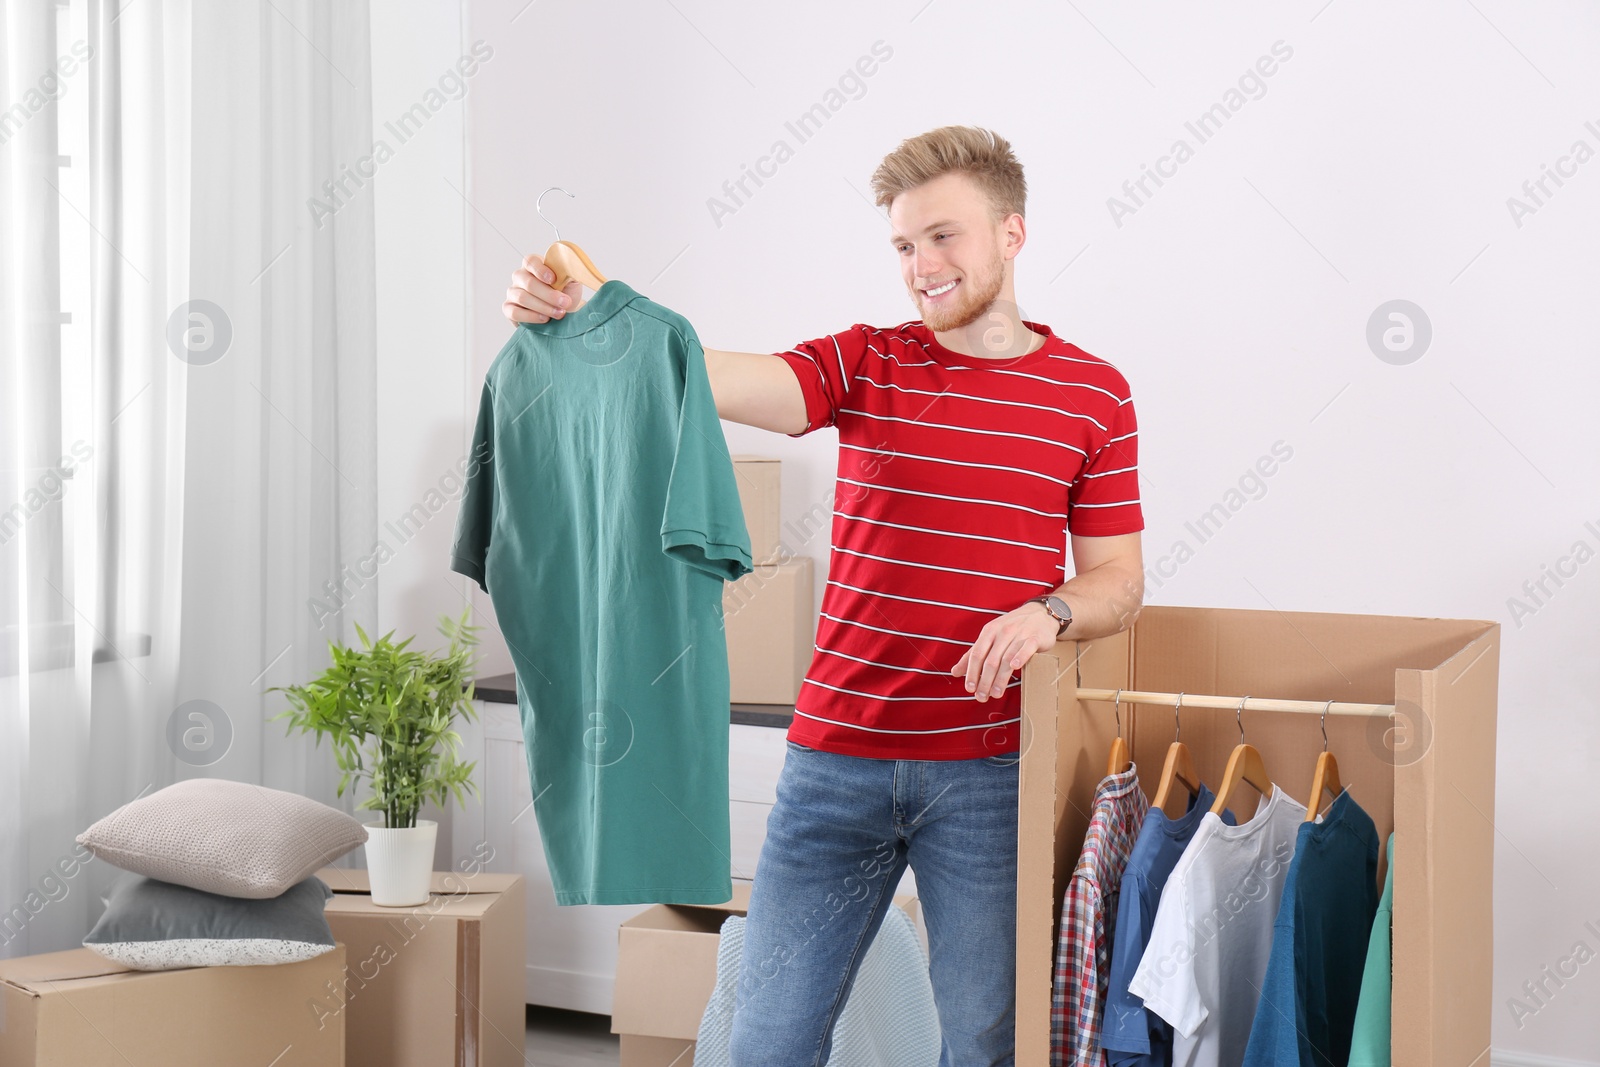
x,y
950,250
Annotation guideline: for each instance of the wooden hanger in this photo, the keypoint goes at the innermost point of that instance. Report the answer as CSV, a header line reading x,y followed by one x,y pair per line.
x,y
569,262
1179,767
1245,765
1120,759
1326,780
566,260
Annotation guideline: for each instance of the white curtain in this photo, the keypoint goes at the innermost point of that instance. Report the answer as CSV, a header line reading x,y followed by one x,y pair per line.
x,y
186,409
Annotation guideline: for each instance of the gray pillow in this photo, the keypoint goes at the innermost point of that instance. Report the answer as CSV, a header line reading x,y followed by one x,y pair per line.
x,y
151,925
232,838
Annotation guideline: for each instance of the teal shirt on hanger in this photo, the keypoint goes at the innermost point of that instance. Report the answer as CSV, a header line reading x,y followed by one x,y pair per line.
x,y
1369,1041
601,516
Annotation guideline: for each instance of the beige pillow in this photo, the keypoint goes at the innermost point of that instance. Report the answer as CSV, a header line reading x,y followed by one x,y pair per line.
x,y
225,837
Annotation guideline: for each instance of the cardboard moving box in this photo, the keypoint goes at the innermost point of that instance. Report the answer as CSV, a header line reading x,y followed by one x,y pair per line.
x,y
1428,775
78,1009
436,985
759,479
771,630
666,971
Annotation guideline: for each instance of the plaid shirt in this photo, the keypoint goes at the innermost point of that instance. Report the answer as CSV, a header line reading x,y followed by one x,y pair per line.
x,y
1088,919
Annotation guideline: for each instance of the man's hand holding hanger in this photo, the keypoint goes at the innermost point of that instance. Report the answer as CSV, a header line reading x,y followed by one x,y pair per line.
x,y
531,298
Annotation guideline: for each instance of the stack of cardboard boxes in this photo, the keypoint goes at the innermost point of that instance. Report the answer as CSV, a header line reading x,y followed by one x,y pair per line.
x,y
769,613
439,983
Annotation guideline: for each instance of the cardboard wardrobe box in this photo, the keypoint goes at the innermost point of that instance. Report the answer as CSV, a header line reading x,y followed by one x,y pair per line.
x,y
771,627
666,971
759,478
1427,774
78,1009
435,985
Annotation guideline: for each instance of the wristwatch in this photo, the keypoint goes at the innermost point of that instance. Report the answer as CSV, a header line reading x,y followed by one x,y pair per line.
x,y
1058,609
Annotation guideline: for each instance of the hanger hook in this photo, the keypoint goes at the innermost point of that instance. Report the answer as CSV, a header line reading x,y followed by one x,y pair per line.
x,y
1177,718
547,192
1325,708
1238,717
1116,707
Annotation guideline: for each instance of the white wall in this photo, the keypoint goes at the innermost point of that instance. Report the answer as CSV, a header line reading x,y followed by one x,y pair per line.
x,y
423,370
420,214
1375,165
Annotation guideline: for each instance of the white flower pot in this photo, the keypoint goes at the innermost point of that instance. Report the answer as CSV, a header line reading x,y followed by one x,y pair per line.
x,y
400,863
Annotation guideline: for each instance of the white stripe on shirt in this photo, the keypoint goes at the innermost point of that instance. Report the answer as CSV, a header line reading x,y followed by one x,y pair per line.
x,y
886,666
964,429
984,399
961,462
886,630
993,370
916,600
946,533
946,496
936,567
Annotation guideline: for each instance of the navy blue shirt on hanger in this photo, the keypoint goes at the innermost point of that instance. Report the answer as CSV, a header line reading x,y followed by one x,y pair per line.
x,y
1319,943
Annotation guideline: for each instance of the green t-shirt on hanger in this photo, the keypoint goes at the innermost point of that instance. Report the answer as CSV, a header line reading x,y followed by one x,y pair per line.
x,y
601,516
1369,1043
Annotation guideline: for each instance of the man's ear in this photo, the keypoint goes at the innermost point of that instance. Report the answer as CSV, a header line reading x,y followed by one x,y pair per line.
x,y
1016,234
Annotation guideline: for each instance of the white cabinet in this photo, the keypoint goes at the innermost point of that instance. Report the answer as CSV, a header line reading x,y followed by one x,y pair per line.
x,y
755,756
572,951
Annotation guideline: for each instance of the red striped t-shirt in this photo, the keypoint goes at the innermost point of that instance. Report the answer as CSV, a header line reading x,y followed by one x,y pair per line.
x,y
959,480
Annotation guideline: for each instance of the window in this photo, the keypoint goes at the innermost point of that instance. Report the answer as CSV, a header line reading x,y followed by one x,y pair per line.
x,y
42,508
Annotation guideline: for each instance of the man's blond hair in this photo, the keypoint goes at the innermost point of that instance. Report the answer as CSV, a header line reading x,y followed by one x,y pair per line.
x,y
982,154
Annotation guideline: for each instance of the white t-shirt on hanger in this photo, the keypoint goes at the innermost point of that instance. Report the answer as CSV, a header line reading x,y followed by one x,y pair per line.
x,y
1212,934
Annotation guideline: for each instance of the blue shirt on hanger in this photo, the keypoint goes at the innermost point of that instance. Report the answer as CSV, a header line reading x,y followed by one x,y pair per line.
x,y
1131,1036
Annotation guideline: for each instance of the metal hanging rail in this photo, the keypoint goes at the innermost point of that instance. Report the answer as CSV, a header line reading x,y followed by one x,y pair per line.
x,y
1240,703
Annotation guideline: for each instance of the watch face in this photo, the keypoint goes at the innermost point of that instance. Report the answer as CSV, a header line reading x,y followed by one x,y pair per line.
x,y
1060,607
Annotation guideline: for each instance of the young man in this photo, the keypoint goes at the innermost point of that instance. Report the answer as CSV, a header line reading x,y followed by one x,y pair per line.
x,y
971,443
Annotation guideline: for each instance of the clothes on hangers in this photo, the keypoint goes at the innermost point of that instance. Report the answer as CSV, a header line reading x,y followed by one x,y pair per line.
x,y
1212,935
1130,1035
1319,943
1369,1039
1088,918
601,516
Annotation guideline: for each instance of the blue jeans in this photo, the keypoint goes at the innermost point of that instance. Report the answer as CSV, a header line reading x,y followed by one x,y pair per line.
x,y
840,836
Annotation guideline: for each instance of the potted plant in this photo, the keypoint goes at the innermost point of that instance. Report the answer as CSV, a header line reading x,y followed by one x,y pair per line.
x,y
387,712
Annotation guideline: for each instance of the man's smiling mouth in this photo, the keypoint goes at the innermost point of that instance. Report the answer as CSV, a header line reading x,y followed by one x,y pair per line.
x,y
940,290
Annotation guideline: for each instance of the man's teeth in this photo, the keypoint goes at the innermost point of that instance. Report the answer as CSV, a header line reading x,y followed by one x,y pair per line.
x,y
945,288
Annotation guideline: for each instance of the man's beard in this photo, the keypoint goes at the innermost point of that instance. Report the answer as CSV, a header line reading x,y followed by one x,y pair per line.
x,y
976,300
